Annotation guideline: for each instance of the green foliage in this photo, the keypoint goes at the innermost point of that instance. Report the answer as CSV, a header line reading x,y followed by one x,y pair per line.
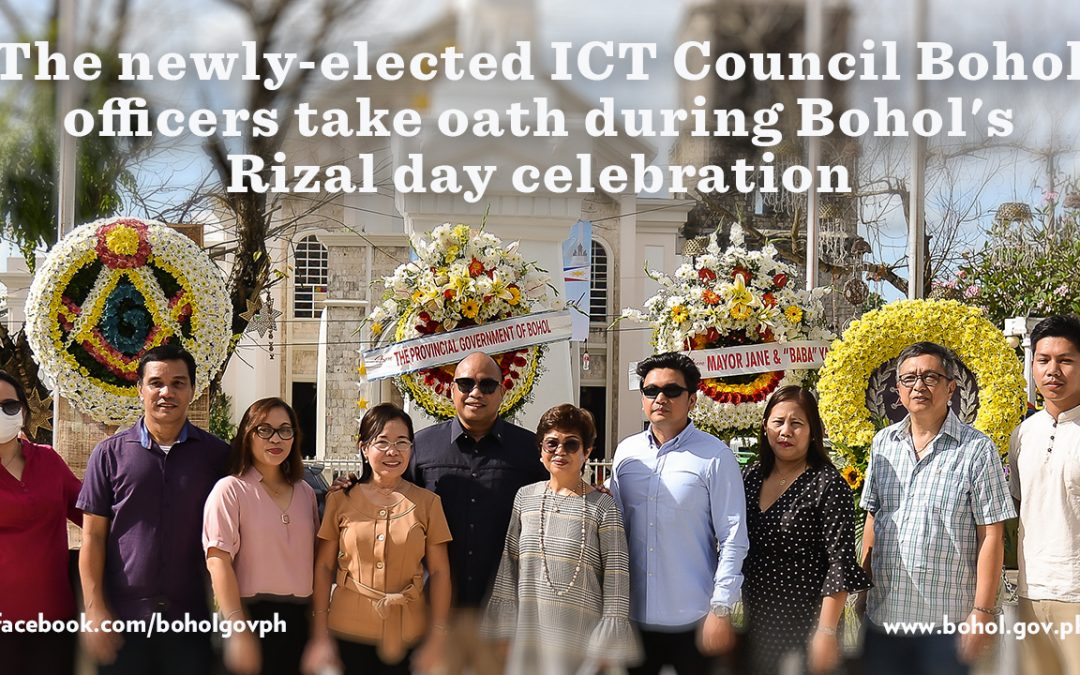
x,y
221,416
28,161
1024,268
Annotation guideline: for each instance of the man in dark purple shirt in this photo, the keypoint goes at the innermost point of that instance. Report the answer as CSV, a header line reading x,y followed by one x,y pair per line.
x,y
143,497
475,462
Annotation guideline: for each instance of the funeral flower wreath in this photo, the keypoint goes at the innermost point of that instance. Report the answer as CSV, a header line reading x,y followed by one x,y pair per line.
x,y
725,299
113,289
881,335
462,277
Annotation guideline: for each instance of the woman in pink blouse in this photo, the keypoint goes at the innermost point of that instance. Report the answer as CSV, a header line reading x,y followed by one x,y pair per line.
x,y
259,534
37,495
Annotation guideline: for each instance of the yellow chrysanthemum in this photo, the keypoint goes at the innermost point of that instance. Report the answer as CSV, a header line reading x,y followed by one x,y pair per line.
x,y
376,328
793,314
470,308
882,334
515,296
679,314
123,240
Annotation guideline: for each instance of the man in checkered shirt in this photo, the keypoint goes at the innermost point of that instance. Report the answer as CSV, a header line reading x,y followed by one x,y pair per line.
x,y
936,502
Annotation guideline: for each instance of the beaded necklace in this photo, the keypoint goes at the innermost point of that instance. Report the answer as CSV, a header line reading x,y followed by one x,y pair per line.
x,y
581,550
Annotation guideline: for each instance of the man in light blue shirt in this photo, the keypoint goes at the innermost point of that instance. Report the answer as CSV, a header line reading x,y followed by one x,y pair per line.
x,y
681,496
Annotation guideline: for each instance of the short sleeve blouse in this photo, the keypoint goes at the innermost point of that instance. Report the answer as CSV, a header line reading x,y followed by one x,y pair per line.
x,y
273,550
382,548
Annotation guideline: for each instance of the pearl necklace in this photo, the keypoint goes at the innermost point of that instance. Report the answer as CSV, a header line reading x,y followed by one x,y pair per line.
x,y
581,550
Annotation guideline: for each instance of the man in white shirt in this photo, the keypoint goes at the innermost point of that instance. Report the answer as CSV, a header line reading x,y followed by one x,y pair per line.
x,y
1044,457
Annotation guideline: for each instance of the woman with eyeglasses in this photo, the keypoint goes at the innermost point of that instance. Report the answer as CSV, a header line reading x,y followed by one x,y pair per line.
x,y
801,563
259,527
562,591
377,538
37,496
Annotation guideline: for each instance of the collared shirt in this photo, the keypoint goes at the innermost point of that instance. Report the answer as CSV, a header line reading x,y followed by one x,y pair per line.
x,y
681,502
33,536
1044,458
273,551
477,481
153,557
925,554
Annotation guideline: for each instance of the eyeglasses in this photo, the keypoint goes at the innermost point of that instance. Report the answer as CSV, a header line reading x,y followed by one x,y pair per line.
x,y
668,390
930,379
266,432
466,384
11,407
384,445
551,445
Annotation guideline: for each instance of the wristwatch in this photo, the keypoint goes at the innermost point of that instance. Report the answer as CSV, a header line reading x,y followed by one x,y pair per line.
x,y
721,611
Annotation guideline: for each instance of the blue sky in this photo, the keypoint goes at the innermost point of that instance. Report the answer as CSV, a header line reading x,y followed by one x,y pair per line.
x,y
1030,27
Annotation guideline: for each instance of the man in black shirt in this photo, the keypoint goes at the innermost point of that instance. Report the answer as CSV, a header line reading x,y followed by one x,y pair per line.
x,y
475,462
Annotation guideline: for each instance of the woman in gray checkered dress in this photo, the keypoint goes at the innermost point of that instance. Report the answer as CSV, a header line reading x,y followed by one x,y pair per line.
x,y
562,592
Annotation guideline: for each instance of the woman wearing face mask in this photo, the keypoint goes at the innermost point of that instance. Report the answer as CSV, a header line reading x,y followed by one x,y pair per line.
x,y
37,495
259,527
801,564
376,541
562,592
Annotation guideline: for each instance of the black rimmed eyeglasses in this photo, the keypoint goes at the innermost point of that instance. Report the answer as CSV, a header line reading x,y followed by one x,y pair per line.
x,y
266,432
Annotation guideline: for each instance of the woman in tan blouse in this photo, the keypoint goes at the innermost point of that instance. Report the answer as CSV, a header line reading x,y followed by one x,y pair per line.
x,y
375,542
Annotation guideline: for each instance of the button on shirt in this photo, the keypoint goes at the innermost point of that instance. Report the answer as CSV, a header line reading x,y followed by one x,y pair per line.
x,y
477,481
925,552
1044,456
153,556
680,501
271,549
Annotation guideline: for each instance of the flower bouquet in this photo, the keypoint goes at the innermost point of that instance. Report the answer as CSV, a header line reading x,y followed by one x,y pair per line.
x,y
462,277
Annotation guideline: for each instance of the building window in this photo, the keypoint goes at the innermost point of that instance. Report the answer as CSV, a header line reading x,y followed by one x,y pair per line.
x,y
598,285
309,287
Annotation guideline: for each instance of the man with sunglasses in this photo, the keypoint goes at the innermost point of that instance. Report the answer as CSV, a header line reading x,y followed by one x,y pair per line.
x,y
681,496
143,497
475,462
936,502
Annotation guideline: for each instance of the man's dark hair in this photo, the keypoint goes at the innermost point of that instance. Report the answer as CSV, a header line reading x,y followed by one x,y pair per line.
x,y
949,360
674,361
1060,326
168,352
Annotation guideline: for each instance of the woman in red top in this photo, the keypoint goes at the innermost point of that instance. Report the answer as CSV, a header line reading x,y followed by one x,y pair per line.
x,y
37,495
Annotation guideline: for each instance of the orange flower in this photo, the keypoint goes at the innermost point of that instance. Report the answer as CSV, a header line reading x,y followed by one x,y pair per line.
x,y
709,297
476,268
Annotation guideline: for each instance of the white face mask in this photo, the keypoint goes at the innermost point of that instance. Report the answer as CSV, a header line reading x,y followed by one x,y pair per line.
x,y
10,426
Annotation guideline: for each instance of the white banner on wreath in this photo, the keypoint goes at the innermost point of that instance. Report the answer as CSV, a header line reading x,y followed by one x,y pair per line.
x,y
749,359
430,351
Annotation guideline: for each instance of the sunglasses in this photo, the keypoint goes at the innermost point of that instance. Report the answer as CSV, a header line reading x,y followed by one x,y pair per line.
x,y
266,432
551,445
668,390
11,407
466,384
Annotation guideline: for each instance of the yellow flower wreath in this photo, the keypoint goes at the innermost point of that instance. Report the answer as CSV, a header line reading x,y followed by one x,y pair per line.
x,y
882,334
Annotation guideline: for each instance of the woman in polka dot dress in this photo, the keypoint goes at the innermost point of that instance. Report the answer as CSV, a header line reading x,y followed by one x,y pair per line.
x,y
801,564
